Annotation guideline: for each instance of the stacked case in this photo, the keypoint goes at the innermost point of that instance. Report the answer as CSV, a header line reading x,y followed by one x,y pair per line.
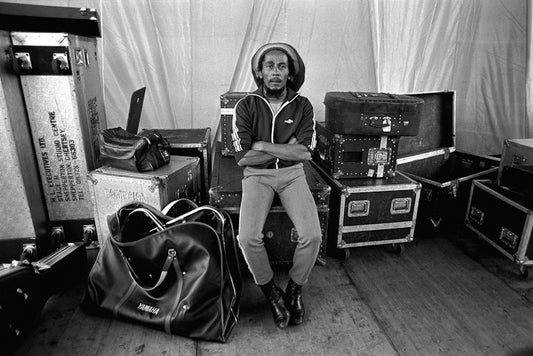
x,y
501,211
357,143
193,143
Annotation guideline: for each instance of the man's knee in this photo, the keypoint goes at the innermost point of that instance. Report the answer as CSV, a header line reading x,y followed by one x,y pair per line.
x,y
311,237
250,240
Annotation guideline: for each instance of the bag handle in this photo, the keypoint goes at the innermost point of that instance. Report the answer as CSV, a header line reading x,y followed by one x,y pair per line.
x,y
174,203
171,254
148,213
194,211
171,257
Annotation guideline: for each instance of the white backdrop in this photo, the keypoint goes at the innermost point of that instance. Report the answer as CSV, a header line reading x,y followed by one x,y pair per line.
x,y
188,52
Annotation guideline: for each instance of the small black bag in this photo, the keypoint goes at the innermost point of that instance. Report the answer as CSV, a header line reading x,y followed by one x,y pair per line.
x,y
144,152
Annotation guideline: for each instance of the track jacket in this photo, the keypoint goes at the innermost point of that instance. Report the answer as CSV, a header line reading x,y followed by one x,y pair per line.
x,y
254,120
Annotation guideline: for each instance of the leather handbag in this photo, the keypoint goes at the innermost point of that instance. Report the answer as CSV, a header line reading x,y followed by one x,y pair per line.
x,y
181,275
143,152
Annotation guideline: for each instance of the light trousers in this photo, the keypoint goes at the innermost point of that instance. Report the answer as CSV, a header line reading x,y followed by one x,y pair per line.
x,y
259,187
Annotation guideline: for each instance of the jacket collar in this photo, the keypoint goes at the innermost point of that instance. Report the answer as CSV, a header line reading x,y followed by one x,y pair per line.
x,y
290,93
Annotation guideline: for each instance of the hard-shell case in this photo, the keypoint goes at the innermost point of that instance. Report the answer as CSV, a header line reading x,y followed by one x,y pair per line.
x,y
228,101
504,219
365,212
25,288
64,100
111,188
350,156
516,153
372,114
519,179
432,159
280,234
193,143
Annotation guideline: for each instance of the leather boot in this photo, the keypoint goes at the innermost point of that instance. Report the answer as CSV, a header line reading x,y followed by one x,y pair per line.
x,y
274,295
293,300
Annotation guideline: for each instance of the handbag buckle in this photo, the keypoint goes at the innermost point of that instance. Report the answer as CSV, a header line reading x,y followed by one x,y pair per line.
x,y
172,253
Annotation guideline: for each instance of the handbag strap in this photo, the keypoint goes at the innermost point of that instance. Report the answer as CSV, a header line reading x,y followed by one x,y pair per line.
x,y
159,225
183,217
190,204
171,257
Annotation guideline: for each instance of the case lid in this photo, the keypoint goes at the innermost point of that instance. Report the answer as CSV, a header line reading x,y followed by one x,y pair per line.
x,y
437,125
176,165
352,101
38,18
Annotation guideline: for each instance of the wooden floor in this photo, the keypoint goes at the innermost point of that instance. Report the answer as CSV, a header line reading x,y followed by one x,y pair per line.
x,y
445,295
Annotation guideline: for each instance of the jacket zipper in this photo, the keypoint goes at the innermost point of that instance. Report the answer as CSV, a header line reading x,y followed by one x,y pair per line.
x,y
274,118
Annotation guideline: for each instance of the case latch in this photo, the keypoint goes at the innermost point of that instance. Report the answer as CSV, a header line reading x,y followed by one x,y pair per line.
x,y
357,208
508,237
477,216
378,156
400,206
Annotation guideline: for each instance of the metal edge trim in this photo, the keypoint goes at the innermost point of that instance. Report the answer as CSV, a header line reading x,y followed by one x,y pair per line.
x,y
495,245
428,181
379,242
374,227
472,176
406,186
424,155
502,197
469,204
415,210
526,235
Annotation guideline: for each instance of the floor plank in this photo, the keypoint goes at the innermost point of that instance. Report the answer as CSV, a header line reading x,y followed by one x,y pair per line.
x,y
435,300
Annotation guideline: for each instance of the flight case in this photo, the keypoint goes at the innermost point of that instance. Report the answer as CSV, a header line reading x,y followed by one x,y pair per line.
x,y
504,219
432,159
365,212
372,114
354,156
111,188
192,143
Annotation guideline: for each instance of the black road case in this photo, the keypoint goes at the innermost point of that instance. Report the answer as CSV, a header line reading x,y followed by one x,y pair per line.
x,y
504,219
432,159
372,114
365,212
193,143
350,156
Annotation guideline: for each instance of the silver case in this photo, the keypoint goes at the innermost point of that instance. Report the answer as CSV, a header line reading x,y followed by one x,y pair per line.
x,y
111,188
66,112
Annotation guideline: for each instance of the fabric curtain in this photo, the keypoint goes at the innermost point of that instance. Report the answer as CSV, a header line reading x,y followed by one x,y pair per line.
x,y
189,52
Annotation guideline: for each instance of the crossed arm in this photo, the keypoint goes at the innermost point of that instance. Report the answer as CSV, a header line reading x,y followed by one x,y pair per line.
x,y
263,152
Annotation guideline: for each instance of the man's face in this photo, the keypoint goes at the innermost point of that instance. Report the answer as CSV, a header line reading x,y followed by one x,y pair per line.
x,y
275,72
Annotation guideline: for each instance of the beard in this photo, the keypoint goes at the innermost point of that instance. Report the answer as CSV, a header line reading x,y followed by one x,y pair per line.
x,y
274,93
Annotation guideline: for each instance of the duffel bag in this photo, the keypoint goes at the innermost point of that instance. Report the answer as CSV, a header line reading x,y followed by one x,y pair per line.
x,y
180,275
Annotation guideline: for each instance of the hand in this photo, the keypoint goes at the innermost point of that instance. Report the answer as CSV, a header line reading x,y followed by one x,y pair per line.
x,y
257,146
292,141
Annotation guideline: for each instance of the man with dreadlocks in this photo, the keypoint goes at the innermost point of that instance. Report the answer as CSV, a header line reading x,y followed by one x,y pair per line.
x,y
273,133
